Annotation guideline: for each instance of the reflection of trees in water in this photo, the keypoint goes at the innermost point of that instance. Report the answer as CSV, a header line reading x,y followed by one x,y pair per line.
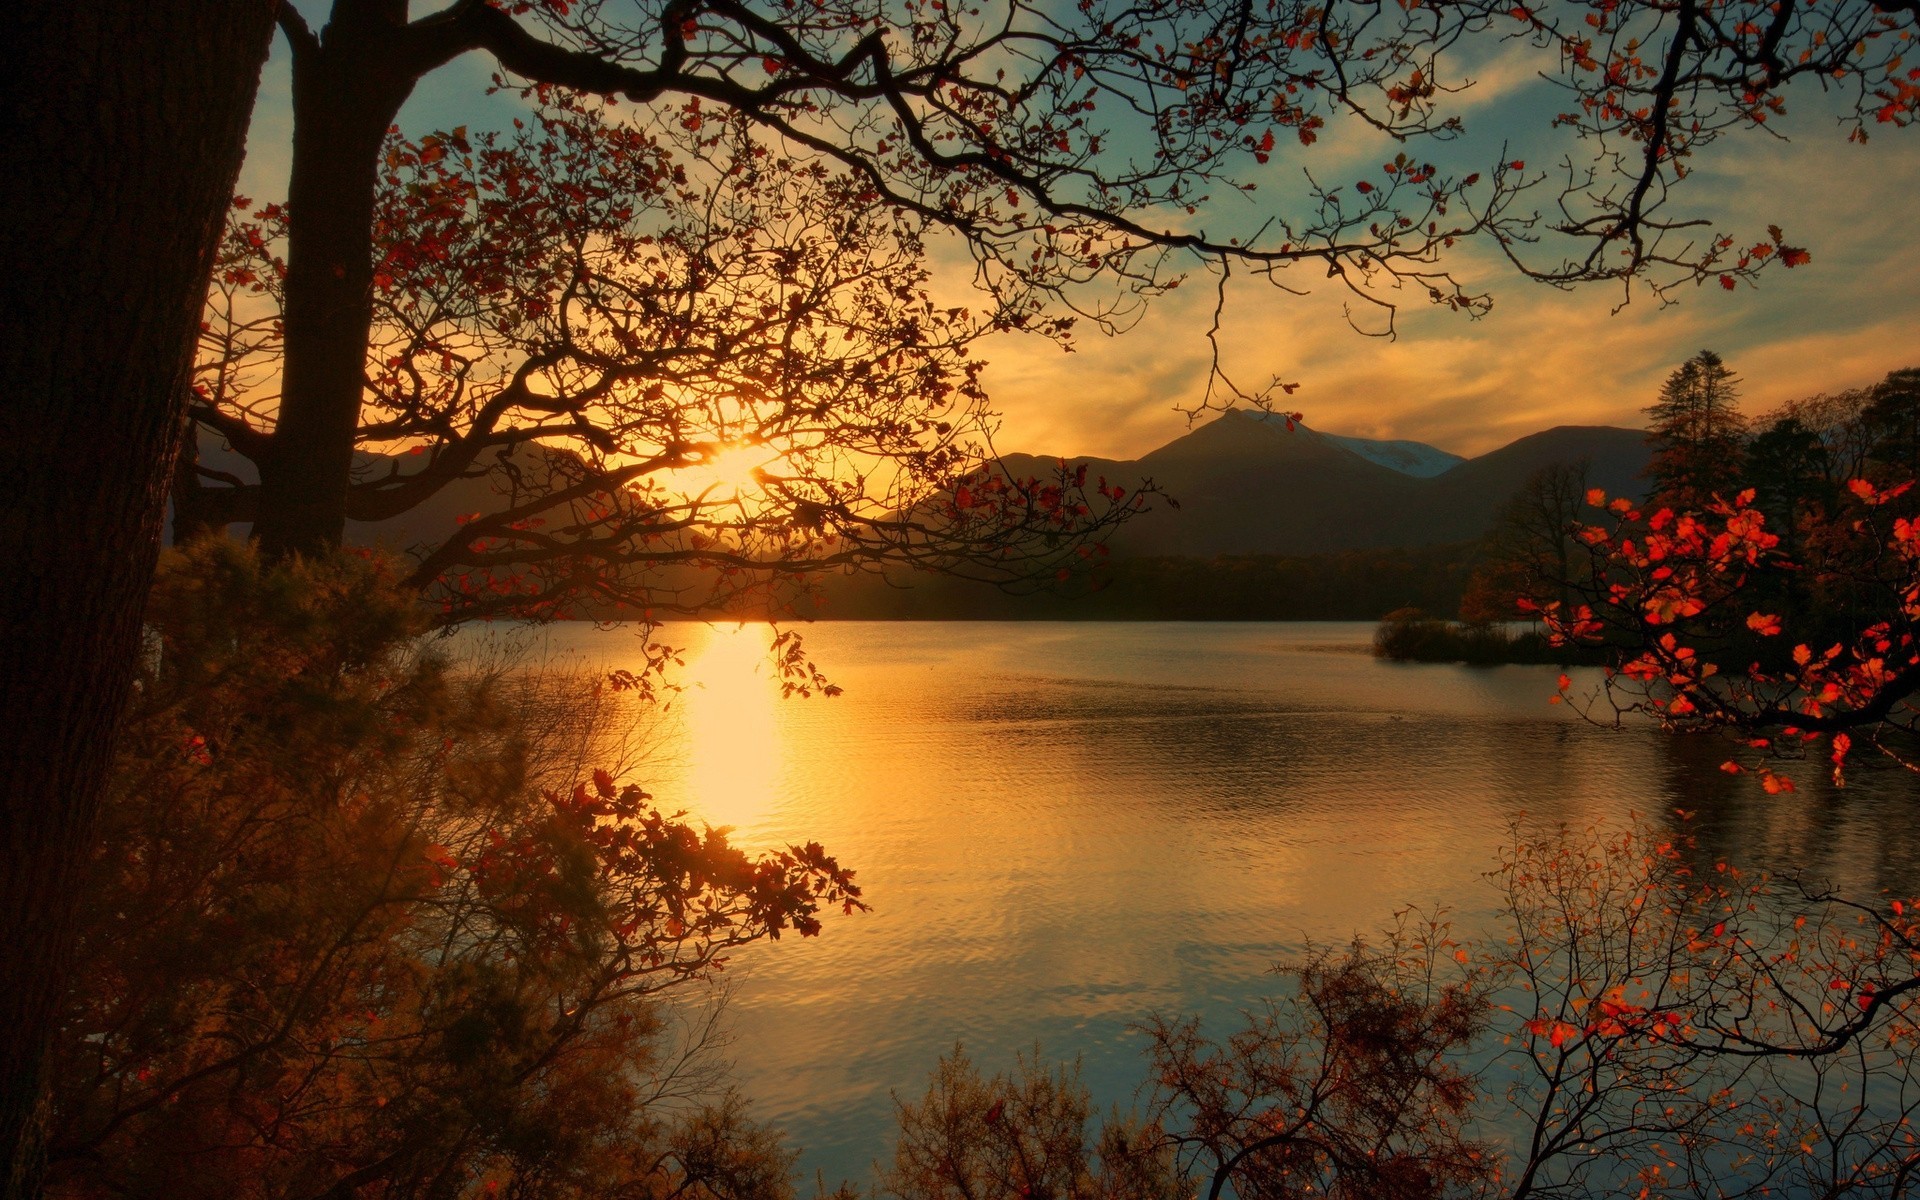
x,y
1861,838
1219,756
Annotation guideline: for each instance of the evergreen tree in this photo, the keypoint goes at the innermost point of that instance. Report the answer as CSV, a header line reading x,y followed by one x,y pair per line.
x,y
1893,416
1697,434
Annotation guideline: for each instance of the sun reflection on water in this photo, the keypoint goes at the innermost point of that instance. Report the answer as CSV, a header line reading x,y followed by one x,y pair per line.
x,y
733,743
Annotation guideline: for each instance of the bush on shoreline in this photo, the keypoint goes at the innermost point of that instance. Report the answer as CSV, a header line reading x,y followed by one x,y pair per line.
x,y
1410,635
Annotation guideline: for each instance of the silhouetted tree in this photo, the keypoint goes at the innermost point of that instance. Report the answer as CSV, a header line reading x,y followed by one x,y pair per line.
x,y
1531,553
1788,467
1893,415
1697,434
913,116
1838,419
123,134
659,368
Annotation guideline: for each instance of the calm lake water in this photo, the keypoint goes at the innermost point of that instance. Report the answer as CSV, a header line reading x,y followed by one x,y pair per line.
x,y
1065,827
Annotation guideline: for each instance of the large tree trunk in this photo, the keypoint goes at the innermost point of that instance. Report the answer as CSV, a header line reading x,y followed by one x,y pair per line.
x,y
347,90
123,131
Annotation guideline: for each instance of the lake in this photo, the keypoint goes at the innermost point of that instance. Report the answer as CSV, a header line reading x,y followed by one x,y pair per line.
x,y
1065,827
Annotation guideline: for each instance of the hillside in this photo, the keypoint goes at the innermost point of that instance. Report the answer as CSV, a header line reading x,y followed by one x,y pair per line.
x,y
1245,485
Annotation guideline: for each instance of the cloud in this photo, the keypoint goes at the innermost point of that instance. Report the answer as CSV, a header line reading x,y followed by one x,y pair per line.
x,y
1543,357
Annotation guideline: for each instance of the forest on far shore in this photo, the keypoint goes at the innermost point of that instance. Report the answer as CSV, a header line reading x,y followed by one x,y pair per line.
x,y
1352,585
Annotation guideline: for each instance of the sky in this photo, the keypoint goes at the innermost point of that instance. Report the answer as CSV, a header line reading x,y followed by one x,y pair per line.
x,y
1540,358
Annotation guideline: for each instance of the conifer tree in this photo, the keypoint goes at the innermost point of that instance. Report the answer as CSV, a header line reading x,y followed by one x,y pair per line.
x,y
1697,434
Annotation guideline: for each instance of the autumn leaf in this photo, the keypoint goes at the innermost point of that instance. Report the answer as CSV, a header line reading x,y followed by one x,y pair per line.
x,y
1764,624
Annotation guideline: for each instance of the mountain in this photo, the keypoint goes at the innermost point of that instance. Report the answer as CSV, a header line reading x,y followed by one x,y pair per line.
x,y
1464,501
1246,485
1409,458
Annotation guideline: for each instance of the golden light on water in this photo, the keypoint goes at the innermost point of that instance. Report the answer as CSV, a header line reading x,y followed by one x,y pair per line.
x,y
733,733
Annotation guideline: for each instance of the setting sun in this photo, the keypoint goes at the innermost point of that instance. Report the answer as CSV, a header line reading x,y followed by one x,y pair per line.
x,y
730,470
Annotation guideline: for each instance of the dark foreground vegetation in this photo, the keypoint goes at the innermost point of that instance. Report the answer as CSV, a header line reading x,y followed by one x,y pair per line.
x,y
361,923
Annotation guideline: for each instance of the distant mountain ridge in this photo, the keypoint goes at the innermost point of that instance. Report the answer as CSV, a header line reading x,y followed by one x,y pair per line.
x,y
1247,485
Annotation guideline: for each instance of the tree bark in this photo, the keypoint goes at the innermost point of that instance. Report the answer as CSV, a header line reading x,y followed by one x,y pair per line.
x,y
123,132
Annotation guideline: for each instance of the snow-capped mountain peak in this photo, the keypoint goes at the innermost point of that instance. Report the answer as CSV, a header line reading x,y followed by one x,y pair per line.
x,y
1409,458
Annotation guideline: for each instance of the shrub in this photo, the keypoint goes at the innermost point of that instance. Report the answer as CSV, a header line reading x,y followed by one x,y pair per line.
x,y
356,926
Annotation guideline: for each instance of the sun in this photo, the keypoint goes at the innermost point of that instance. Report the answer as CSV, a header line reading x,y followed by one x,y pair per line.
x,y
730,470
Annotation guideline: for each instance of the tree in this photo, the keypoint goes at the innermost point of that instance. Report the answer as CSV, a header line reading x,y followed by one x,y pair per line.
x,y
1680,591
1531,552
123,137
1893,414
665,352
929,140
1697,434
1021,1135
1062,149
359,924
1789,468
